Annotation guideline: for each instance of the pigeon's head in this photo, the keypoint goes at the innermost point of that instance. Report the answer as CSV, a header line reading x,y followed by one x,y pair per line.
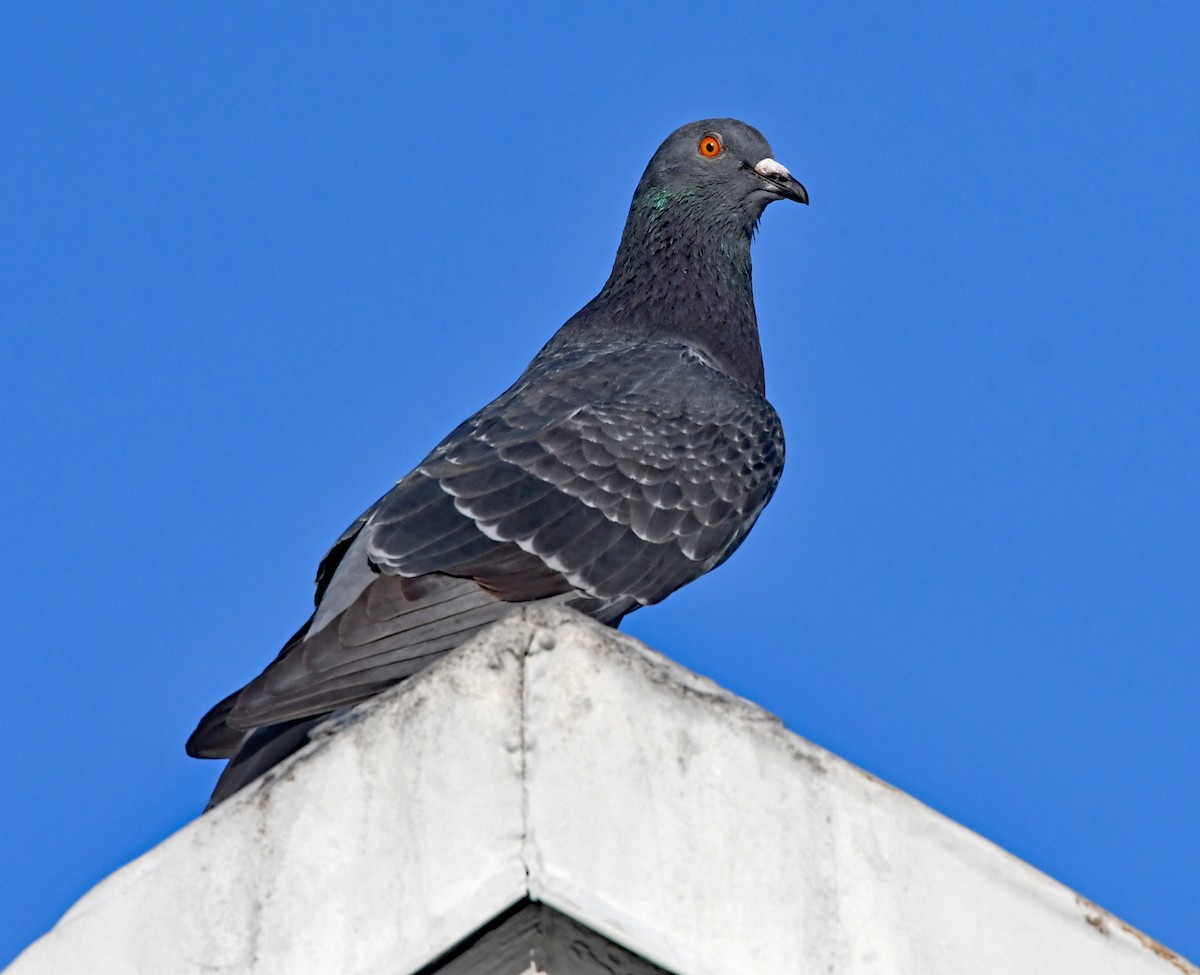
x,y
718,169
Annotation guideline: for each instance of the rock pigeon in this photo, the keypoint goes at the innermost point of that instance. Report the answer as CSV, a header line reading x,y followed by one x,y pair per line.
x,y
632,456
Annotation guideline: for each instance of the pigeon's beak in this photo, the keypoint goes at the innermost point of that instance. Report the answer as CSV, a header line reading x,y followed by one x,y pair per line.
x,y
781,181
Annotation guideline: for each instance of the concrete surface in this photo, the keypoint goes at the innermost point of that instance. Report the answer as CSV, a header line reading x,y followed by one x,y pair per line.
x,y
554,759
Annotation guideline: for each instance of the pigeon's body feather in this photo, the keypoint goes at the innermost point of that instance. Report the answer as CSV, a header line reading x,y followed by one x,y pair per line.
x,y
633,455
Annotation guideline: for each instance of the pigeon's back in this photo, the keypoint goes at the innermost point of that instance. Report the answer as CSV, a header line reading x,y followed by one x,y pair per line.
x,y
633,455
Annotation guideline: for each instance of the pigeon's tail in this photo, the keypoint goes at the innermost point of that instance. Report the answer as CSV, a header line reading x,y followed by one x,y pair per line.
x,y
395,627
262,749
213,738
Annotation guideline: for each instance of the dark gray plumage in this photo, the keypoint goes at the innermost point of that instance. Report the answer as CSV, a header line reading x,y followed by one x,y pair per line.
x,y
632,456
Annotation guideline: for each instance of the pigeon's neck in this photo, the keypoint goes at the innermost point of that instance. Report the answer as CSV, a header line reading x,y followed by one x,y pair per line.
x,y
680,273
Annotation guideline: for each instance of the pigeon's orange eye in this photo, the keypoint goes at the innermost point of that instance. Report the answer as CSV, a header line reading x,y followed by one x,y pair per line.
x,y
710,146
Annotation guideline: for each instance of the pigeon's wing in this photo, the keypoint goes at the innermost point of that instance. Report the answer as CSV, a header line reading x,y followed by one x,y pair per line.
x,y
638,486
604,480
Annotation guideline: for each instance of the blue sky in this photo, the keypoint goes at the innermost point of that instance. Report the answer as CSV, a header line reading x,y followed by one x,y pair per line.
x,y
257,259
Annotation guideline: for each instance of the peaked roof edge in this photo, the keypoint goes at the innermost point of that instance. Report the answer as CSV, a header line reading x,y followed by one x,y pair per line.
x,y
555,759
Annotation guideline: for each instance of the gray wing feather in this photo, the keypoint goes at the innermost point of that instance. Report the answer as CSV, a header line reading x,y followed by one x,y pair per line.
x,y
605,479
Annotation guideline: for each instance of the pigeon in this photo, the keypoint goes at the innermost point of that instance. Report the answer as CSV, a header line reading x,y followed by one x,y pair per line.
x,y
632,455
